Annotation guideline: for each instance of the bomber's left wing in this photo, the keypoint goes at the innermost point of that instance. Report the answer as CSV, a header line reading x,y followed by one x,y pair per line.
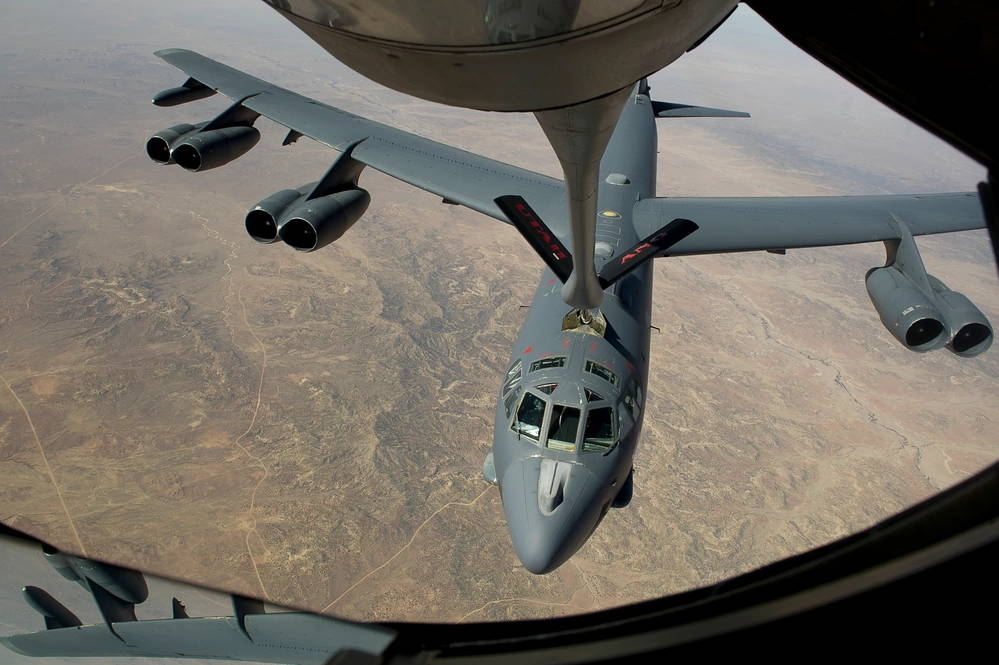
x,y
742,224
455,175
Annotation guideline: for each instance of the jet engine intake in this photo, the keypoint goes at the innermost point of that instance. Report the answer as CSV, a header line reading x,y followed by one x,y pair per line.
x,y
262,220
908,314
208,150
970,329
318,222
158,145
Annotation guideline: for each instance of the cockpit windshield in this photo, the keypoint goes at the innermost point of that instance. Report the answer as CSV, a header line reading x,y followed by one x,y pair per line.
x,y
530,416
563,425
599,433
562,428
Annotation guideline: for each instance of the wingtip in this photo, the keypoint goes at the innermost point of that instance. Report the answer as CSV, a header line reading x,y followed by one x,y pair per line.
x,y
165,53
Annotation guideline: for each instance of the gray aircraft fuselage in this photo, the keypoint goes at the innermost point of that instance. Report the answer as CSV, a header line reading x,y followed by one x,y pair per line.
x,y
563,454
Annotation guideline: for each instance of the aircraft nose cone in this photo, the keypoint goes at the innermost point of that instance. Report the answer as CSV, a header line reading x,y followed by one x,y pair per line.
x,y
540,555
545,533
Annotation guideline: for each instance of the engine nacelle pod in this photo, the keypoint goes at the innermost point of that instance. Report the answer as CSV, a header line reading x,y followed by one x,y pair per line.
x,y
124,583
317,223
214,148
128,585
158,145
189,92
971,330
905,311
262,220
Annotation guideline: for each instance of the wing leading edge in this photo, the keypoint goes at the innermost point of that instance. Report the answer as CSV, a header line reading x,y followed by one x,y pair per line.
x,y
455,175
761,223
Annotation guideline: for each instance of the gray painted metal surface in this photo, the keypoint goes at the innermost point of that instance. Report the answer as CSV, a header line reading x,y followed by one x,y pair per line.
x,y
498,55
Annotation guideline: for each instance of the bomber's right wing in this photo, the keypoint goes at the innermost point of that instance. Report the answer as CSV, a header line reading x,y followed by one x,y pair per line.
x,y
744,224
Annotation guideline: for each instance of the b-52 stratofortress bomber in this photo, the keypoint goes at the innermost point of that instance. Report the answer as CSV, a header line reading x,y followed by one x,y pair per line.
x,y
571,403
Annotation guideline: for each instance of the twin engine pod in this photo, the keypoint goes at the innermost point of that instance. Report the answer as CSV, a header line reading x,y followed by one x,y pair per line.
x,y
306,224
128,585
195,149
928,319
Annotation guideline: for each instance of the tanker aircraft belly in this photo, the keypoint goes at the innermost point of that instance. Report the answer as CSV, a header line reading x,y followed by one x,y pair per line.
x,y
572,398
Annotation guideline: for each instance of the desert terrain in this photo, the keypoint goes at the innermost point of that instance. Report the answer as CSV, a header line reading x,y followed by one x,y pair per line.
x,y
310,429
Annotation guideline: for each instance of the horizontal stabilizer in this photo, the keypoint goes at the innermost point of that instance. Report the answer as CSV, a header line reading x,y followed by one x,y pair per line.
x,y
674,110
538,235
644,250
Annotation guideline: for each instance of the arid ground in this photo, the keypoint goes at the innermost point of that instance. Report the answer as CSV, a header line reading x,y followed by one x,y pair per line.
x,y
311,428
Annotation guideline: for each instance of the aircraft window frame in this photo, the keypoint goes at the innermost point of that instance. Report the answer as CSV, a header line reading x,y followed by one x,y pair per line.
x,y
561,444
513,376
509,400
541,426
600,446
548,362
593,396
546,388
607,374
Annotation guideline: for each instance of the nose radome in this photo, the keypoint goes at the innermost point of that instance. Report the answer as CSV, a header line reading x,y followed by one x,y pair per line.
x,y
541,499
539,553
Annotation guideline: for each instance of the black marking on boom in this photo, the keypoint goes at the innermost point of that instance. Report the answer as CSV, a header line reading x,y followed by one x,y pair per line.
x,y
644,250
537,234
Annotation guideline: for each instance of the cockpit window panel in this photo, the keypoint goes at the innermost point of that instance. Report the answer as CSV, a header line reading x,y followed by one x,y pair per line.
x,y
548,363
530,416
509,401
592,396
598,436
563,427
547,388
512,376
602,371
